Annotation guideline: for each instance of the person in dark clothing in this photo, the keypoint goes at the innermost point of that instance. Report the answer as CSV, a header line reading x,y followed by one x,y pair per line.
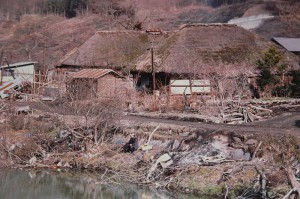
x,y
131,145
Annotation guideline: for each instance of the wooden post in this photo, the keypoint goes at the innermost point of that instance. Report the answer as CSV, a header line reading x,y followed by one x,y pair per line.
x,y
153,71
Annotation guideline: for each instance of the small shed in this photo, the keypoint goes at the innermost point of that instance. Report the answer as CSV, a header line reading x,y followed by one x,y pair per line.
x,y
21,70
91,83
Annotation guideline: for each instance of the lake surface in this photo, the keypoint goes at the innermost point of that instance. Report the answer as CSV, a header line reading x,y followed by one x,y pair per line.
x,y
21,184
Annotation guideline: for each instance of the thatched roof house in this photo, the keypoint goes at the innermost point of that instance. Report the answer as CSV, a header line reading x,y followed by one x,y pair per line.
x,y
191,49
108,49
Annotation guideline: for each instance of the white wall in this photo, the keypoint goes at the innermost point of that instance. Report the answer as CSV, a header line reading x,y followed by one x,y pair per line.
x,y
26,73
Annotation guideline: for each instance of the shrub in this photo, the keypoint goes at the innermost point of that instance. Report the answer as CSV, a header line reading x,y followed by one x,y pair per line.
x,y
282,91
295,87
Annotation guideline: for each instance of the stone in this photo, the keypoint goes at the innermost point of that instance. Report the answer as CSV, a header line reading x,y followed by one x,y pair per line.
x,y
32,160
156,143
251,142
200,138
175,145
238,154
67,165
165,160
12,147
166,143
237,140
146,147
184,134
184,147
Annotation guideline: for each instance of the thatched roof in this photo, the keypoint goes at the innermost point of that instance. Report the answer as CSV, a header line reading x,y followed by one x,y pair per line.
x,y
191,49
109,49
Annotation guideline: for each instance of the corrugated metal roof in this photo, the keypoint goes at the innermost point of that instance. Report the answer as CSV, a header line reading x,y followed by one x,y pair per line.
x,y
94,73
291,44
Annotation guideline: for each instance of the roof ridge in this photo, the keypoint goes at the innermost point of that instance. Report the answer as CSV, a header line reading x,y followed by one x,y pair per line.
x,y
205,24
119,31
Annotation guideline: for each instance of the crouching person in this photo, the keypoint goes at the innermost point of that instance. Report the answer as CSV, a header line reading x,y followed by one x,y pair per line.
x,y
132,145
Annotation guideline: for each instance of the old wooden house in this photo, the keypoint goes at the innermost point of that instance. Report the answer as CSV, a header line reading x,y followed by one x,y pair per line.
x,y
100,83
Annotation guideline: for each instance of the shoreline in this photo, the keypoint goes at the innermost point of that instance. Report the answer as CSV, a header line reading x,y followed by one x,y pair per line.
x,y
188,170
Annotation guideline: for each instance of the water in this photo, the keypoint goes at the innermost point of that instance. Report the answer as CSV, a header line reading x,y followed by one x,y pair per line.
x,y
20,184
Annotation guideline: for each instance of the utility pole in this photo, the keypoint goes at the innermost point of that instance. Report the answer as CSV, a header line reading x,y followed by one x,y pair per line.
x,y
1,57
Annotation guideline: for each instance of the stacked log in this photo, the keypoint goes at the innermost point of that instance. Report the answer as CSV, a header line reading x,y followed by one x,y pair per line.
x,y
246,114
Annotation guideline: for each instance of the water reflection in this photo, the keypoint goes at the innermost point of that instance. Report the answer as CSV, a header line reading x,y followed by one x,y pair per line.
x,y
19,184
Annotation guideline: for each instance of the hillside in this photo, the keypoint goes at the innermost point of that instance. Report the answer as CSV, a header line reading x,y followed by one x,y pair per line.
x,y
29,32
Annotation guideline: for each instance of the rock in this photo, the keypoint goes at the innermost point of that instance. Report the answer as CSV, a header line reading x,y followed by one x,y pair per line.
x,y
184,147
67,165
146,147
156,143
251,142
12,147
175,145
139,132
32,174
147,157
59,164
32,160
237,140
200,138
166,143
63,134
165,161
184,134
23,109
238,154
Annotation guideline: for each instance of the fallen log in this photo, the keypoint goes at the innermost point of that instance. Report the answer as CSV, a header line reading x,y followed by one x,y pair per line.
x,y
261,109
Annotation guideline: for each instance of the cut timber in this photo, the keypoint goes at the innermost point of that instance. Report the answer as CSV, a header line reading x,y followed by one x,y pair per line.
x,y
261,109
293,180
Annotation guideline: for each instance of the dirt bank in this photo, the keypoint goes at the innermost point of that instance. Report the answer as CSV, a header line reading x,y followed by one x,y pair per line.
x,y
188,158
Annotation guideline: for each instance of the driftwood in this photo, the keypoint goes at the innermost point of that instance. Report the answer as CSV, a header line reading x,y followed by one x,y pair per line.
x,y
151,135
255,151
263,179
294,183
288,194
